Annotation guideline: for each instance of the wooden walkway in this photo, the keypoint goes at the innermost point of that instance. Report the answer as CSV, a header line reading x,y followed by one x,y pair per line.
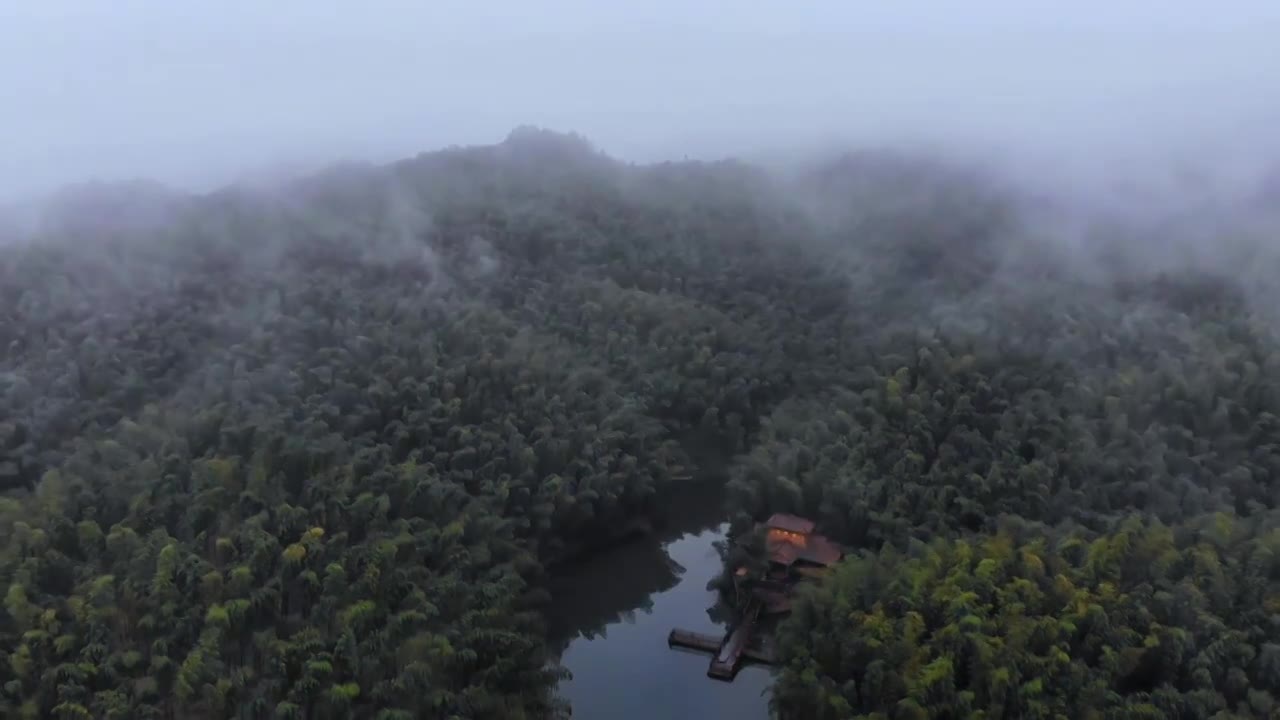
x,y
728,652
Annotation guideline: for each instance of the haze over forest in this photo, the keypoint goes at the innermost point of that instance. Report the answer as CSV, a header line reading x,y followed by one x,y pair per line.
x,y
196,96
329,339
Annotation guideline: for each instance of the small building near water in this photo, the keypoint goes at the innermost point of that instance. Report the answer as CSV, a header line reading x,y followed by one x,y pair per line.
x,y
795,552
792,543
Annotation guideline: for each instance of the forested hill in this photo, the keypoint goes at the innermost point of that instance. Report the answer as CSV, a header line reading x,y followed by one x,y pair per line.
x,y
308,452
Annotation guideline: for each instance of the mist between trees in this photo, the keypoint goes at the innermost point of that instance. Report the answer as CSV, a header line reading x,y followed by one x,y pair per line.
x,y
308,451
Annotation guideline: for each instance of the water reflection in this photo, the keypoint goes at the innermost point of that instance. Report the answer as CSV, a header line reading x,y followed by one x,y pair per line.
x,y
610,619
608,589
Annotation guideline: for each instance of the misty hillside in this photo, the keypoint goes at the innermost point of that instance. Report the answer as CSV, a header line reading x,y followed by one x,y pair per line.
x,y
311,451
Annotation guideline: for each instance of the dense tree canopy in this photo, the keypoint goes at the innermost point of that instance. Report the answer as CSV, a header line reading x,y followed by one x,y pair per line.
x,y
1142,621
310,452
1058,487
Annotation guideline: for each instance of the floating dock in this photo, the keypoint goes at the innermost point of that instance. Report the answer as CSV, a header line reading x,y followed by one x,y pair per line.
x,y
729,652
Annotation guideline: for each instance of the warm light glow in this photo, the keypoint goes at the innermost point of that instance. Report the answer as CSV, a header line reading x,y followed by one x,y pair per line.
x,y
787,536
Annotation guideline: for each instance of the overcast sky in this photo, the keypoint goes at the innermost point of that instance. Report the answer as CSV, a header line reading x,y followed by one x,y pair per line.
x,y
194,92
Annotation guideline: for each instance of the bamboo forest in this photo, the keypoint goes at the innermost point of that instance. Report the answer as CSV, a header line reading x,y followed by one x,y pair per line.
x,y
321,450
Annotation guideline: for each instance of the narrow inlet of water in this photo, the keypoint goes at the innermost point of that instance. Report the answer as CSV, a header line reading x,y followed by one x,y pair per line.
x,y
611,616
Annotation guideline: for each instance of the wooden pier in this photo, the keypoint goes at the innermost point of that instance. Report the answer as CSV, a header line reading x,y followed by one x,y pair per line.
x,y
694,641
729,652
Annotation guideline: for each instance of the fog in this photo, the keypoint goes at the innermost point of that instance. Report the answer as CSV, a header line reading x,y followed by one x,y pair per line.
x,y
199,95
993,301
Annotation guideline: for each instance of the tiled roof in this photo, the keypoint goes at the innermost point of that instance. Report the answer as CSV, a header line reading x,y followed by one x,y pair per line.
x,y
816,549
783,553
821,551
791,523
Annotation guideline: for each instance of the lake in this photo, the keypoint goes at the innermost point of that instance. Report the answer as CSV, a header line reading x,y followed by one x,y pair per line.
x,y
612,613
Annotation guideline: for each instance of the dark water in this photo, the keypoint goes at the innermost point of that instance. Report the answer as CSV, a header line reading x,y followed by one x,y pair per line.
x,y
612,615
